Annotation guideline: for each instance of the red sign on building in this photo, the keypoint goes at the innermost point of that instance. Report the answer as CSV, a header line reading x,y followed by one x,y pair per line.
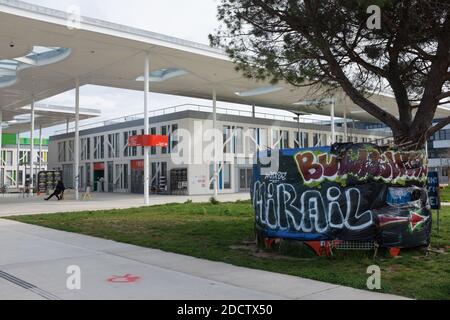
x,y
137,164
148,141
99,166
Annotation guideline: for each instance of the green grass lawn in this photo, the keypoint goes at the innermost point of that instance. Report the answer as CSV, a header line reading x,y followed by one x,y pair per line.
x,y
445,194
222,233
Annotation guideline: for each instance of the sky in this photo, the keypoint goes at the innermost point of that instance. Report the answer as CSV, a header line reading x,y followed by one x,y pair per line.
x,y
187,19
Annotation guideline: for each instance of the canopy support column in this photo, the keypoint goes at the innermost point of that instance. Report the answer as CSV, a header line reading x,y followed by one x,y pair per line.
x,y
18,159
146,130
77,141
216,151
40,148
31,160
1,141
333,127
345,125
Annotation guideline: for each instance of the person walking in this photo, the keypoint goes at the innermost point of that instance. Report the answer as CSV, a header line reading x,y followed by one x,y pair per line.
x,y
59,191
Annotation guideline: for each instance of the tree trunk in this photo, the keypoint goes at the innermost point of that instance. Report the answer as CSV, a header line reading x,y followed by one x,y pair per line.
x,y
413,137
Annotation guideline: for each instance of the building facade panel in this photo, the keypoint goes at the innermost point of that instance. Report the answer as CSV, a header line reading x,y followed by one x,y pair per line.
x,y
15,161
186,166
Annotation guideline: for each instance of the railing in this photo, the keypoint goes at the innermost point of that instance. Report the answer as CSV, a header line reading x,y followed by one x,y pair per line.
x,y
209,109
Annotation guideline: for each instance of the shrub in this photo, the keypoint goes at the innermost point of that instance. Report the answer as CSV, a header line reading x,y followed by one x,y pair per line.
x,y
214,201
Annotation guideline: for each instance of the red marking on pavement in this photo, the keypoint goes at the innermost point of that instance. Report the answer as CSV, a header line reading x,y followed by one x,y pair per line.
x,y
128,278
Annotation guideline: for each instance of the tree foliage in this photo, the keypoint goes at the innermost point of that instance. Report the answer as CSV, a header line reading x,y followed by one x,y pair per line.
x,y
329,43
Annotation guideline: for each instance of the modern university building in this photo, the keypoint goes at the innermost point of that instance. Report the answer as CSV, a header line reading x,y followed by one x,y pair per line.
x,y
105,152
15,160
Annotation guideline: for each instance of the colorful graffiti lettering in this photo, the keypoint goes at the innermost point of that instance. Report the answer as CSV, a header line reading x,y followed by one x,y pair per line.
x,y
280,207
414,220
391,167
344,193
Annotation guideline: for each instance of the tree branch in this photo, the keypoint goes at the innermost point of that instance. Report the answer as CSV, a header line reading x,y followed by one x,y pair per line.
x,y
439,126
443,95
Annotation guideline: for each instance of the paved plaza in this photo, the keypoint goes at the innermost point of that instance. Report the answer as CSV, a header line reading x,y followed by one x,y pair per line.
x,y
34,262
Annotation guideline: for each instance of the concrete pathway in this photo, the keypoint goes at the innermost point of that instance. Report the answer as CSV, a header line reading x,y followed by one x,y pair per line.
x,y
34,261
18,205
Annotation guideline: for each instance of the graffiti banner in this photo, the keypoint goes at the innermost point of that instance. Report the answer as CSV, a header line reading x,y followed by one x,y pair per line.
x,y
350,192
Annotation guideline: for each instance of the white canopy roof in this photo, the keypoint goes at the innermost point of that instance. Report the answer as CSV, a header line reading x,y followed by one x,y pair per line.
x,y
45,116
49,57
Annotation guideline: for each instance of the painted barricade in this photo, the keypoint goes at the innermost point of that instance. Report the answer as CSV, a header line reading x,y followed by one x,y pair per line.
x,y
349,192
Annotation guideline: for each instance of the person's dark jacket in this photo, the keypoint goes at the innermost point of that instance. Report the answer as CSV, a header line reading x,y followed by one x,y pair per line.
x,y
60,188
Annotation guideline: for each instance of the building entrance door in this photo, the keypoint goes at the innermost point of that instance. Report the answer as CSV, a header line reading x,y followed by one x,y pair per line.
x,y
99,177
137,176
245,179
68,175
179,181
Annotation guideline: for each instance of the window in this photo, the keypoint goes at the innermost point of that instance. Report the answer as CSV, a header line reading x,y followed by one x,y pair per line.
x,y
99,147
43,156
85,148
62,151
251,140
154,175
133,149
442,135
301,140
9,158
227,139
153,149
10,177
88,174
125,142
319,140
226,175
142,148
211,176
24,158
238,141
280,139
158,180
110,146
70,150
113,145
173,139
20,177
262,139
284,139
233,140
128,151
125,176
164,132
276,139
117,145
